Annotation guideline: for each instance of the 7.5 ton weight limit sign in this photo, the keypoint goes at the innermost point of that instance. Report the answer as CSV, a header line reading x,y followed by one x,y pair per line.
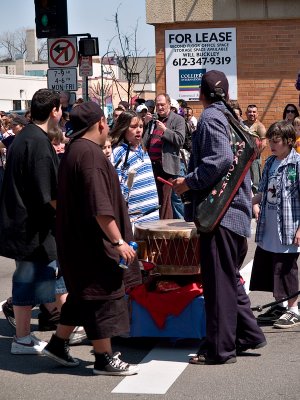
x,y
62,52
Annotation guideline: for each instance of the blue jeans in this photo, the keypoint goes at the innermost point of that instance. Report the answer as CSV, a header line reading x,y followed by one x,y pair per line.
x,y
177,205
34,283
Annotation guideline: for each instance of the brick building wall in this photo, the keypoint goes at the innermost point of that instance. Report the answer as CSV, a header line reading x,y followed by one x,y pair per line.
x,y
268,61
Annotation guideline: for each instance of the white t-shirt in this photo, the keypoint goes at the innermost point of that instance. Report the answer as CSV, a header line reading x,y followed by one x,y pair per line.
x,y
270,240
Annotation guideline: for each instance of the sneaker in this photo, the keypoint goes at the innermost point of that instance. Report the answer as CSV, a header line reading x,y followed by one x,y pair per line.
x,y
58,349
287,320
115,366
48,321
8,311
272,314
77,336
35,346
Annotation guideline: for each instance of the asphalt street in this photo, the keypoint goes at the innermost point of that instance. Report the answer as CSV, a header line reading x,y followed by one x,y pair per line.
x,y
271,373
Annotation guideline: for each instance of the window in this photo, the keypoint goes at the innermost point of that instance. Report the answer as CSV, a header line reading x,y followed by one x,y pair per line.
x,y
17,104
36,73
134,77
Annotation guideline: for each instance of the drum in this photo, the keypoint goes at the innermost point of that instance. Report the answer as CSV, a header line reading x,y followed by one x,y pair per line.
x,y
171,244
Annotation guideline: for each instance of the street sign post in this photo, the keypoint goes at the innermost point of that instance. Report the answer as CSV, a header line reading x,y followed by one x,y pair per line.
x,y
62,52
62,79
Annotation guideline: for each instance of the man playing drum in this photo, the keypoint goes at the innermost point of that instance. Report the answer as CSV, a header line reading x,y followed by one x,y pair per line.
x,y
231,327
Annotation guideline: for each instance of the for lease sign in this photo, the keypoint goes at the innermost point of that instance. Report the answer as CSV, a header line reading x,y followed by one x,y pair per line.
x,y
192,52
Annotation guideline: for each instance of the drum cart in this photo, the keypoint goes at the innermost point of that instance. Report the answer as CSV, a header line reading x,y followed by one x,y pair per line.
x,y
173,248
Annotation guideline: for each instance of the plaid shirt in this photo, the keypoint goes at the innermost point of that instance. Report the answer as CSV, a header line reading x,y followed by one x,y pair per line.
x,y
210,160
288,198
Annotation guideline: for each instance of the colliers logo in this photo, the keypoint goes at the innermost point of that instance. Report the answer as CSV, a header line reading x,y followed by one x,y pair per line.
x,y
190,79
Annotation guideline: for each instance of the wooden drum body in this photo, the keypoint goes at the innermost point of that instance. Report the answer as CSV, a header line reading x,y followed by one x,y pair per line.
x,y
171,244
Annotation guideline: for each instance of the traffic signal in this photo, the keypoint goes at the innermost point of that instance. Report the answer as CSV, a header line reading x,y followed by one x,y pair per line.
x,y
51,18
89,47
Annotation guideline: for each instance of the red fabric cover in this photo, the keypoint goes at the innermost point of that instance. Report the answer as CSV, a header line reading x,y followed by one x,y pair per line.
x,y
161,305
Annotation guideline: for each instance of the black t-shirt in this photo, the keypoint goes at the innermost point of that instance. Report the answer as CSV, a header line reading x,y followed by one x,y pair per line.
x,y
88,186
27,220
8,140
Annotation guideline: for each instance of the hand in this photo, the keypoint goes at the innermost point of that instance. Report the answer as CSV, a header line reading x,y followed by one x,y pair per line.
x,y
256,211
297,238
179,185
148,118
160,126
125,251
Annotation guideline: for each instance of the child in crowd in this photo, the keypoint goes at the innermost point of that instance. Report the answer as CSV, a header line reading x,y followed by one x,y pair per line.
x,y
278,227
134,168
296,124
107,149
56,137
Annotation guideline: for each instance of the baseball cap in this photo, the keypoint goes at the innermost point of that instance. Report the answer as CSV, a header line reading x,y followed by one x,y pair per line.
x,y
175,104
82,117
214,83
141,107
150,103
19,120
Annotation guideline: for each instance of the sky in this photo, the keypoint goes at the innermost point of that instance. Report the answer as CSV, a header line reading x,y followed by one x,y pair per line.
x,y
88,16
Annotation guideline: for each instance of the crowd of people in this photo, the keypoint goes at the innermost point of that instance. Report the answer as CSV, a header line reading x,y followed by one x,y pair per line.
x,y
72,189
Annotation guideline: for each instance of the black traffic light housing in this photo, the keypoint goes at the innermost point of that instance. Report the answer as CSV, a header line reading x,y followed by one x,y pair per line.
x,y
89,47
51,18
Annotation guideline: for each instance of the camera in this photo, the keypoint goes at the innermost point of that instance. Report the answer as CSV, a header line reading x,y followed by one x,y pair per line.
x,y
154,117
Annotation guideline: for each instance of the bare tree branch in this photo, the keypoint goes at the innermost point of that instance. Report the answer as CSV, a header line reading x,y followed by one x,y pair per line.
x,y
128,56
14,43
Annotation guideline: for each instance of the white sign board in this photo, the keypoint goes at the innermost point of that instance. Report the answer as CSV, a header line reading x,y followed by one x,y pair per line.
x,y
85,66
62,79
62,52
192,52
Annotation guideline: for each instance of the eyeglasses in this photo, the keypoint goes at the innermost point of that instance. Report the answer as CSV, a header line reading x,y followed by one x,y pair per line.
x,y
291,111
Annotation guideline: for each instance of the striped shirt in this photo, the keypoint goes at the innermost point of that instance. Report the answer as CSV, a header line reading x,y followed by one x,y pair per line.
x,y
143,193
155,146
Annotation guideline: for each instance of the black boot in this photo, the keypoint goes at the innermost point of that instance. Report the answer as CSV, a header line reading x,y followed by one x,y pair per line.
x,y
58,350
48,321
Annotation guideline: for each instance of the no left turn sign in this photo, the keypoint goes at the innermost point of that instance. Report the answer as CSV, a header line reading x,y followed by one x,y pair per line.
x,y
62,52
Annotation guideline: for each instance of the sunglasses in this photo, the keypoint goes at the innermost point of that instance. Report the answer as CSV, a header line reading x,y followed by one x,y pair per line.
x,y
291,111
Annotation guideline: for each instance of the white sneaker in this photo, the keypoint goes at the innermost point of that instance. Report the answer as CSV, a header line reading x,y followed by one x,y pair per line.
x,y
35,346
77,336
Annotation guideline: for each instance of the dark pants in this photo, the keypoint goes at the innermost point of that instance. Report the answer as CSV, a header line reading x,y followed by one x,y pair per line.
x,y
164,191
229,319
275,272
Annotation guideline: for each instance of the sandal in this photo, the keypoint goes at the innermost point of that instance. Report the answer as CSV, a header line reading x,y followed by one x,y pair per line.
x,y
199,358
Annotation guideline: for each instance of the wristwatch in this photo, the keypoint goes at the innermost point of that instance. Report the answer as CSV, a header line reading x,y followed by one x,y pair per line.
x,y
118,243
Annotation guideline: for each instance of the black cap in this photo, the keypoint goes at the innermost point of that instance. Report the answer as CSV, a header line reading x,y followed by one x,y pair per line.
x,y
150,103
82,117
214,84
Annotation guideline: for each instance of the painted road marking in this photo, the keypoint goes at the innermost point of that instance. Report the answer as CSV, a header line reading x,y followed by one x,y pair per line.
x,y
246,274
162,365
158,371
